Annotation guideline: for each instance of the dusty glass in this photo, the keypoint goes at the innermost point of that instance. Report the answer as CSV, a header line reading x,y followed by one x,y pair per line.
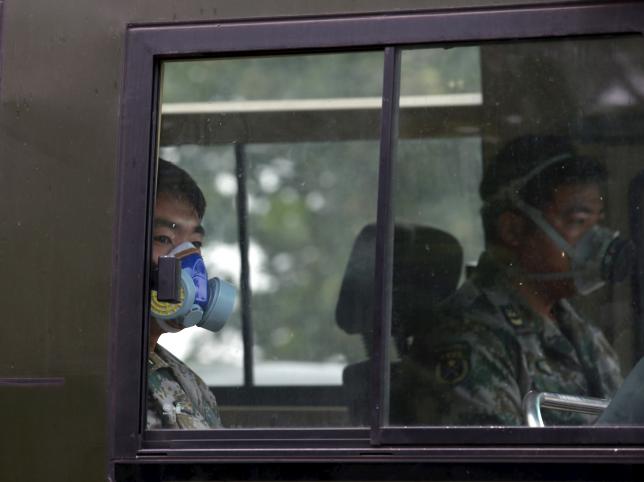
x,y
285,151
515,266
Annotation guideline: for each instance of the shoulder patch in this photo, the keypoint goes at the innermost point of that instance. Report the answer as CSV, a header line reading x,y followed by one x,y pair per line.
x,y
453,364
512,315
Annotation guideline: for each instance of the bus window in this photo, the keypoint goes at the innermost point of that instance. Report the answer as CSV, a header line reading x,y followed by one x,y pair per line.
x,y
427,218
286,156
534,194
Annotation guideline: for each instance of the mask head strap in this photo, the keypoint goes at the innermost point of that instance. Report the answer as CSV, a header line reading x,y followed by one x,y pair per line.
x,y
511,191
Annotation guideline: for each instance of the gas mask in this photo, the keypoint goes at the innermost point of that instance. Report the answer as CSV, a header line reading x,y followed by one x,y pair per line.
x,y
600,256
203,302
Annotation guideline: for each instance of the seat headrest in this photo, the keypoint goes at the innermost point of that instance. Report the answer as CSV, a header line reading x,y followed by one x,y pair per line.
x,y
427,267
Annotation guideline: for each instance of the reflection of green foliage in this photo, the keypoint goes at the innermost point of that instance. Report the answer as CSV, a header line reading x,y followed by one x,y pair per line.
x,y
439,71
288,221
317,239
436,184
320,195
286,77
424,71
318,242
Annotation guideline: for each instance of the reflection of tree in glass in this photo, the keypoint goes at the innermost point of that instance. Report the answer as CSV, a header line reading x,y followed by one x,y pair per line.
x,y
307,234
427,72
440,71
286,77
307,203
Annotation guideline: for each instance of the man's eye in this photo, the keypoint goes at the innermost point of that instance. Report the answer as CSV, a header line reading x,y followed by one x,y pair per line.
x,y
578,220
162,239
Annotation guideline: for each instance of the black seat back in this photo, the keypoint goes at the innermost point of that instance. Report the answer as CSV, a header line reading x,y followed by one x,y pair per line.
x,y
427,267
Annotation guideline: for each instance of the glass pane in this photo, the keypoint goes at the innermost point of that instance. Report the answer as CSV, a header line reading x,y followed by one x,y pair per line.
x,y
285,151
513,268
285,77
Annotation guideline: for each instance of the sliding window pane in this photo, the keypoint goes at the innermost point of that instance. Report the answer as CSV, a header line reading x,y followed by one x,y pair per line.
x,y
285,152
513,268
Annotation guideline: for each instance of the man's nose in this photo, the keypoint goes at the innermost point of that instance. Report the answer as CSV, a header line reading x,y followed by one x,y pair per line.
x,y
181,240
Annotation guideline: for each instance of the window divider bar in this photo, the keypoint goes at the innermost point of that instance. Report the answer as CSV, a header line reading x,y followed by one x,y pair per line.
x,y
155,137
241,172
384,246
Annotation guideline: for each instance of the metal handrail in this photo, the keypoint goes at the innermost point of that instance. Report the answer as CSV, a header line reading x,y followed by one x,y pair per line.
x,y
534,401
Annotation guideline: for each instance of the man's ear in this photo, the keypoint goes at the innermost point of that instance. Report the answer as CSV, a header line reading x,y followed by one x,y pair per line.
x,y
511,228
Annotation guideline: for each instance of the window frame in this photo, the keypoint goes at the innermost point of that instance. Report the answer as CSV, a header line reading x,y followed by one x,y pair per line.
x,y
148,46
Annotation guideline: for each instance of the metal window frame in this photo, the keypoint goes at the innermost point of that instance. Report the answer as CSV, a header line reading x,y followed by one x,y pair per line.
x,y
147,46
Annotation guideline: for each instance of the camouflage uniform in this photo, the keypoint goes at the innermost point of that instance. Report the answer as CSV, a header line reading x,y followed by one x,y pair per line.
x,y
177,397
488,348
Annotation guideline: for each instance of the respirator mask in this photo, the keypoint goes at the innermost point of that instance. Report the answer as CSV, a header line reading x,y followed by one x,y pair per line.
x,y
196,300
600,256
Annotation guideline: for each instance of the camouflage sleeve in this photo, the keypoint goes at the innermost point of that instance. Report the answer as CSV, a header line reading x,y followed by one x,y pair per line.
x,y
597,353
200,395
463,373
177,396
208,404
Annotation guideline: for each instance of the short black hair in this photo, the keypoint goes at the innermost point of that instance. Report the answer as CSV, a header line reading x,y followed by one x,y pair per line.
x,y
176,182
525,155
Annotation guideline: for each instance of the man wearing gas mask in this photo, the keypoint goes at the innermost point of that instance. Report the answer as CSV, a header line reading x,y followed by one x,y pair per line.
x,y
177,397
509,329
